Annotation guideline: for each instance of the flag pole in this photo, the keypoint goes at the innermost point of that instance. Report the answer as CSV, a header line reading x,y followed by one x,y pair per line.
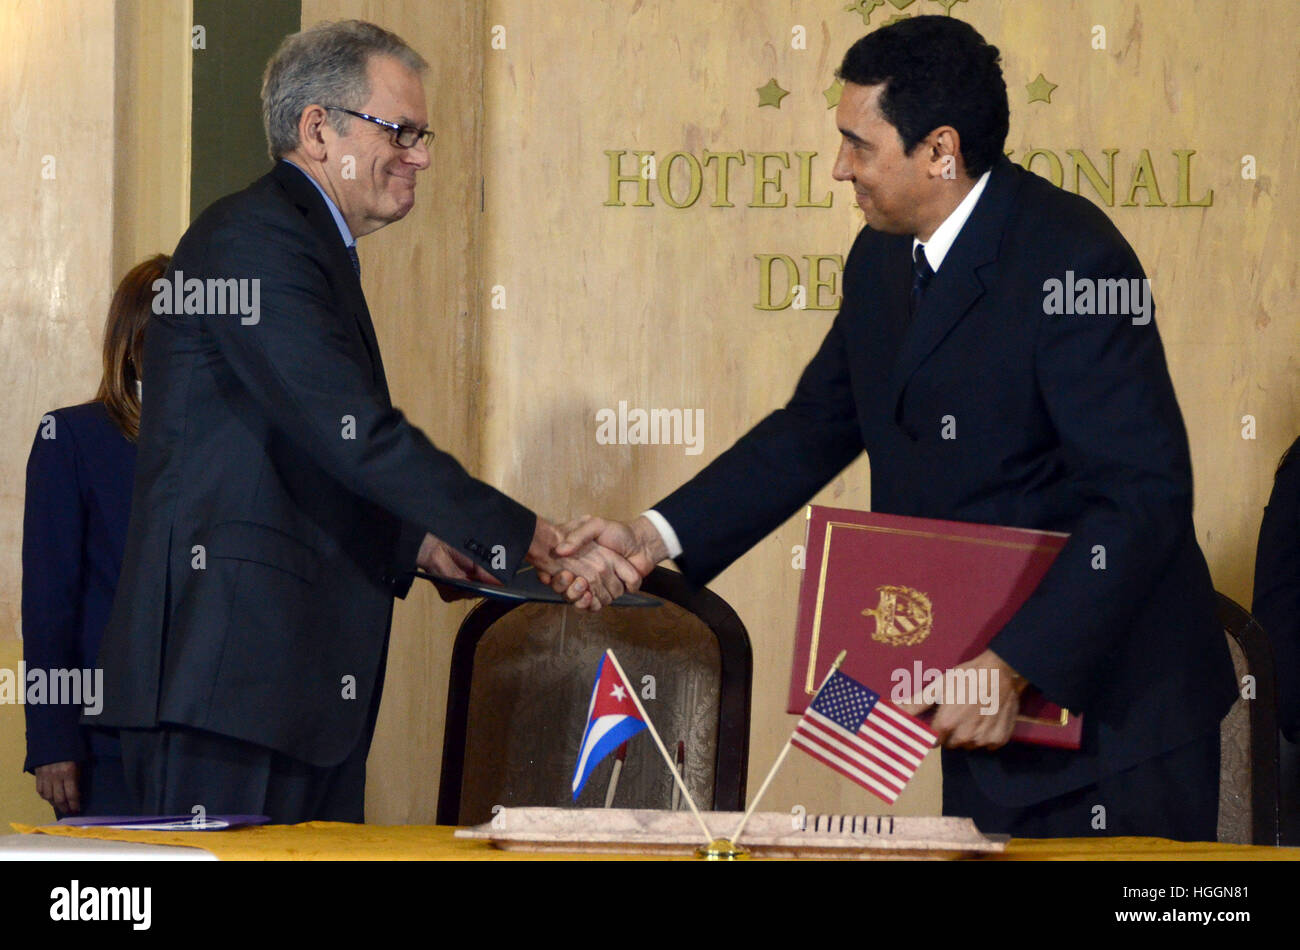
x,y
613,775
654,734
781,758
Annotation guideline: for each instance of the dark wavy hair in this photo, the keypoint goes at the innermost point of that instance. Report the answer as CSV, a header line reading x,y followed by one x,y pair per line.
x,y
937,71
124,343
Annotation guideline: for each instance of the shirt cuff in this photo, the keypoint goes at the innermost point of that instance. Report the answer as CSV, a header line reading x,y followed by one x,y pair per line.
x,y
666,532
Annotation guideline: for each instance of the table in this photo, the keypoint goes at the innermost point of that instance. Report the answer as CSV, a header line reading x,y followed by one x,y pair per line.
x,y
339,841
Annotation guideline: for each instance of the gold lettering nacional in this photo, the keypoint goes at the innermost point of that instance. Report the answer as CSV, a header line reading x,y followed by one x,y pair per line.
x,y
682,177
904,617
1185,182
1144,179
1143,185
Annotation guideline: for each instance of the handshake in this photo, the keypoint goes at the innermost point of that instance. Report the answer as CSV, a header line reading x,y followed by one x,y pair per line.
x,y
590,560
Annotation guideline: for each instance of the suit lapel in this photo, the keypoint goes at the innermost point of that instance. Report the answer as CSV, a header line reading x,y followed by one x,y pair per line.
x,y
309,201
956,286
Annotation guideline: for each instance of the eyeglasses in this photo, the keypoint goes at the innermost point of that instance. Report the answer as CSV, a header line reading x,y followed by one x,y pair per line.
x,y
404,136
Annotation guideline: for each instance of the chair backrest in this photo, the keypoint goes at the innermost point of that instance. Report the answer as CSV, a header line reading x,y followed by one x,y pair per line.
x,y
1248,772
520,685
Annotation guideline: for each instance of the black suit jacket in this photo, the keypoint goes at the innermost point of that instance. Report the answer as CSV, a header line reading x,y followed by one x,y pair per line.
x,y
278,496
1065,423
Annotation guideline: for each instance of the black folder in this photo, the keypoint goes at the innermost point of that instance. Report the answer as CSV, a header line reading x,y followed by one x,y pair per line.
x,y
527,587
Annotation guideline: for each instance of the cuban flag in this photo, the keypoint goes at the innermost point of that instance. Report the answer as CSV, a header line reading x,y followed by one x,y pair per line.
x,y
612,719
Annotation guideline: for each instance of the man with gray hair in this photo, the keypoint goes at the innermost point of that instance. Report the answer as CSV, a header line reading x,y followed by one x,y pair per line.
x,y
281,501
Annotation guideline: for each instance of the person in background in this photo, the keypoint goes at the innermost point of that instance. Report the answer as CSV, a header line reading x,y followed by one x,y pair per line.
x,y
1276,605
79,479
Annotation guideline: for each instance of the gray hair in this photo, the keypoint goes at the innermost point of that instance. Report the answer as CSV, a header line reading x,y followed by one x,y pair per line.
x,y
325,65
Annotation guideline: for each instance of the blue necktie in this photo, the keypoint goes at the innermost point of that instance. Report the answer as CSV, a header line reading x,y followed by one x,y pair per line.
x,y
356,261
921,274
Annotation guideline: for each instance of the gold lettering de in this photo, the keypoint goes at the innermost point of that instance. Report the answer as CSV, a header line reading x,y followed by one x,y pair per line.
x,y
814,277
765,262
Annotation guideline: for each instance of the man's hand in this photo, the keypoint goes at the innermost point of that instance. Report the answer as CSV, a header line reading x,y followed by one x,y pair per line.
x,y
57,784
590,576
638,541
436,557
969,725
636,544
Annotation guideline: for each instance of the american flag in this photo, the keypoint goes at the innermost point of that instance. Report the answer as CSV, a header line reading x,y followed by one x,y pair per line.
x,y
862,737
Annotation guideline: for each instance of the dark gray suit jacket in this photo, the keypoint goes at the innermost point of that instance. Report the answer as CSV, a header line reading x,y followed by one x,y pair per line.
x,y
279,496
1063,423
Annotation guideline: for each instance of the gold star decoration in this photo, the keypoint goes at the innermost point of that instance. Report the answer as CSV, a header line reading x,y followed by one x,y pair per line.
x,y
902,4
832,93
864,8
771,94
1040,90
948,5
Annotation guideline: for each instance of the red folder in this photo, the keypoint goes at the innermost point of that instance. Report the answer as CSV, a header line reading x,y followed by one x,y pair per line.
x,y
908,596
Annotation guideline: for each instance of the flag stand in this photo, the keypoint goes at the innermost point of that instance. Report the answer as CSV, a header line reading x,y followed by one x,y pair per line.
x,y
776,765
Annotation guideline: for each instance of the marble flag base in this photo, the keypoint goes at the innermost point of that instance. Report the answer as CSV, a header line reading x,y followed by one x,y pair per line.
x,y
768,834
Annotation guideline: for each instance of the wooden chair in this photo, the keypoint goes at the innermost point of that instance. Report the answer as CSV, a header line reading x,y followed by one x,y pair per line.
x,y
1248,774
521,678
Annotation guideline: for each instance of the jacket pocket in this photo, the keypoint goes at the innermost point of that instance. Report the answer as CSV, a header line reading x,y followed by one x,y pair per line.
x,y
251,541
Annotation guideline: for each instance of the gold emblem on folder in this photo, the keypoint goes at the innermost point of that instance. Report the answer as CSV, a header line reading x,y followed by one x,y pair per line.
x,y
904,616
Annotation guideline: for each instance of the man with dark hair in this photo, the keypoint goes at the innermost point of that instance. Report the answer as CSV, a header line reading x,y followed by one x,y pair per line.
x,y
1061,422
936,71
281,501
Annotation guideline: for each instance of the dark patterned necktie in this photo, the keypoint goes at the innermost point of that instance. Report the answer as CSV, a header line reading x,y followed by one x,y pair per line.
x,y
922,272
356,261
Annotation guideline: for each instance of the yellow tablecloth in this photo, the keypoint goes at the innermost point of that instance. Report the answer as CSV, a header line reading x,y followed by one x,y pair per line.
x,y
339,841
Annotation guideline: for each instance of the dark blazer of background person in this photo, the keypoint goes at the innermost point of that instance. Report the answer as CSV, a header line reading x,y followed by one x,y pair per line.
x,y
1276,600
74,527
1063,423
279,496
76,509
